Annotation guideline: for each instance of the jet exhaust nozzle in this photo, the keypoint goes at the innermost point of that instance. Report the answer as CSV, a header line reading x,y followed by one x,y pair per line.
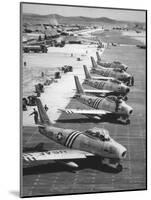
x,y
127,90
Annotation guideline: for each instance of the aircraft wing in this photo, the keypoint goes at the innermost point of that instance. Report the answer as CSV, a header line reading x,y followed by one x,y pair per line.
x,y
85,112
102,78
64,154
98,91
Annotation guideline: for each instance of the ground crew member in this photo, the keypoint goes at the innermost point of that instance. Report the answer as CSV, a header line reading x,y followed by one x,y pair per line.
x,y
132,81
46,107
42,74
35,113
128,81
38,94
117,102
24,104
25,63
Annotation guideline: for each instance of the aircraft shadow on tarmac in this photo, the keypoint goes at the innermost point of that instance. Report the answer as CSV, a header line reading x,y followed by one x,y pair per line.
x,y
58,167
109,119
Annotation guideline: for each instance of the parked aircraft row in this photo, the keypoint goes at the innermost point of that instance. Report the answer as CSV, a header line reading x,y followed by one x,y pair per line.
x,y
105,85
106,100
114,64
114,72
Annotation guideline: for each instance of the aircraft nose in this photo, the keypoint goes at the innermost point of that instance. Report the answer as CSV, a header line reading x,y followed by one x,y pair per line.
x,y
126,67
127,90
123,154
122,151
130,111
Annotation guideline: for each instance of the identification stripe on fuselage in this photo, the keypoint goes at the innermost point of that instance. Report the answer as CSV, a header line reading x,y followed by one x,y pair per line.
x,y
98,102
95,102
70,136
93,105
73,139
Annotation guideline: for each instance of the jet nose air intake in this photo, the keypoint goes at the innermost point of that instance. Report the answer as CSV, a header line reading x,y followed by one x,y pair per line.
x,y
122,152
127,89
123,155
130,111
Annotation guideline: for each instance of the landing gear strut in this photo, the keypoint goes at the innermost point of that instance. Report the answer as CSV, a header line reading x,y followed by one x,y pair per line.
x,y
125,98
125,120
114,164
128,121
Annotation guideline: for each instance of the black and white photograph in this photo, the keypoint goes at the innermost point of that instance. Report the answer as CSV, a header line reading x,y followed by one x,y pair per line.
x,y
83,90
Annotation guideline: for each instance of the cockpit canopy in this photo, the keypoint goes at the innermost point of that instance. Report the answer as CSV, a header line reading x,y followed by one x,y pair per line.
x,y
97,133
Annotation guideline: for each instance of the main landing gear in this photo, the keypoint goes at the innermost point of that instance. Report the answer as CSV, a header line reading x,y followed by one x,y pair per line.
x,y
112,163
124,120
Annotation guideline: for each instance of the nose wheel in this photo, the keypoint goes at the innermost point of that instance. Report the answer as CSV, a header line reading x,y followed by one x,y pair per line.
x,y
125,120
125,98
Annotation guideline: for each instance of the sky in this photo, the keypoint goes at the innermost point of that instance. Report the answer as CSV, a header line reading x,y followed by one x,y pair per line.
x,y
126,15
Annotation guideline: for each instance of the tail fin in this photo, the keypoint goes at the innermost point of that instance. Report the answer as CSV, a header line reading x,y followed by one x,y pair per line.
x,y
78,85
98,56
94,65
87,73
44,119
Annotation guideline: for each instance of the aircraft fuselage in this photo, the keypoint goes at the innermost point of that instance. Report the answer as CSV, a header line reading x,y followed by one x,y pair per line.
x,y
123,76
78,140
108,85
106,104
112,65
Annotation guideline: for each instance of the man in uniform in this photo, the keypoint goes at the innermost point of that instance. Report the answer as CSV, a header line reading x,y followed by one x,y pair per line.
x,y
117,102
132,81
35,113
46,107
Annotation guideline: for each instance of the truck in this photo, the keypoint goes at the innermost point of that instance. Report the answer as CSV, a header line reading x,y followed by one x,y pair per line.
x,y
35,48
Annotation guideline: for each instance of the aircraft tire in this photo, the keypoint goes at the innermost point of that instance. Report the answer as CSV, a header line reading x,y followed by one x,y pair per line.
x,y
119,168
128,121
125,98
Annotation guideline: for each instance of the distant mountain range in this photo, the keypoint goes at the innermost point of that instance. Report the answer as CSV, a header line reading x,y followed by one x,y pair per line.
x,y
37,19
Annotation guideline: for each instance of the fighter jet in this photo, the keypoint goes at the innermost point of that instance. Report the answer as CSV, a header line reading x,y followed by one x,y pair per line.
x,y
102,106
114,64
105,86
95,142
115,73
